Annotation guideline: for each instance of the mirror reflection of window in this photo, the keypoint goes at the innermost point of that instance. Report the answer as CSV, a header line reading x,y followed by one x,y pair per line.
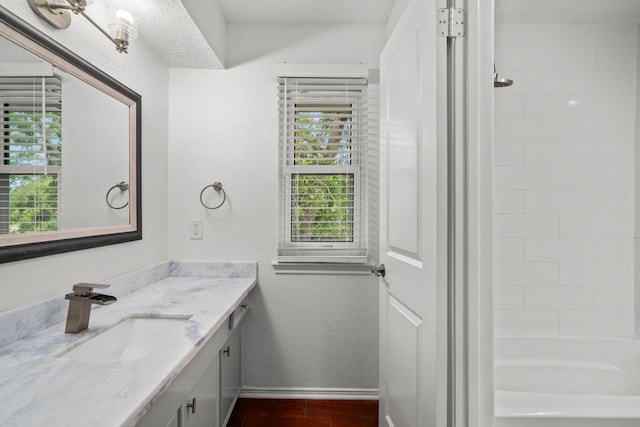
x,y
31,114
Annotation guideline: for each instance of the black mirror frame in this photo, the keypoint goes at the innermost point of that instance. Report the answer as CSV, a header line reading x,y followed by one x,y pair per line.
x,y
61,245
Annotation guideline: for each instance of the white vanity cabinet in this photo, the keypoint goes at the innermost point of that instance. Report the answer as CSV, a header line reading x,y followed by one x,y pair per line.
x,y
204,393
229,375
230,379
201,409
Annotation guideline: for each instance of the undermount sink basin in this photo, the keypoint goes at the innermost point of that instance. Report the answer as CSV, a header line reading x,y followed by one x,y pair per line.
x,y
132,338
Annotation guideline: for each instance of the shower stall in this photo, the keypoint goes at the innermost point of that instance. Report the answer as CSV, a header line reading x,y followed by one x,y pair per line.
x,y
566,213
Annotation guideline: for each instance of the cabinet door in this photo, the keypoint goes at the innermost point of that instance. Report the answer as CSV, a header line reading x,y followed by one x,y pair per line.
x,y
175,421
229,375
201,407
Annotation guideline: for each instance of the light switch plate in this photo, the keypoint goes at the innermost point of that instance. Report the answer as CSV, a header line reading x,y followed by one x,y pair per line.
x,y
195,229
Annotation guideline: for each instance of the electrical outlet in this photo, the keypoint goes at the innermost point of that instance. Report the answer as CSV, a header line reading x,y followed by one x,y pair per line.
x,y
195,229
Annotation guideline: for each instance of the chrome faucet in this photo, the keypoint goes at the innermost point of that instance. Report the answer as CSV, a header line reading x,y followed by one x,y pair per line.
x,y
80,301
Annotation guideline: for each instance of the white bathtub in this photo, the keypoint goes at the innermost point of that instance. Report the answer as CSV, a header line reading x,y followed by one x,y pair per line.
x,y
567,382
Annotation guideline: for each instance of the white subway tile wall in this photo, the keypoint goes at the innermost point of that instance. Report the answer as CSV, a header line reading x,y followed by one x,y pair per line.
x,y
565,179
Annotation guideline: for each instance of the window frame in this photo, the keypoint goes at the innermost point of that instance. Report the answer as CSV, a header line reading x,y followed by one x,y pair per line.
x,y
341,257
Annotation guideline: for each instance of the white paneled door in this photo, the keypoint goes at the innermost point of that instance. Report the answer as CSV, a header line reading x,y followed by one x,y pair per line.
x,y
413,327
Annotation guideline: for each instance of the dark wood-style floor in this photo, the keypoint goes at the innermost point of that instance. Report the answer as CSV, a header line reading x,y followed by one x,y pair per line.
x,y
304,413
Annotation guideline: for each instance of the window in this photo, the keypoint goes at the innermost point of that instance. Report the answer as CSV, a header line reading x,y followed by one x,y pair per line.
x,y
30,110
323,164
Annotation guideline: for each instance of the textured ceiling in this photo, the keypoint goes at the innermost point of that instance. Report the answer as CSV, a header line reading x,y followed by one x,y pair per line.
x,y
570,11
167,28
306,11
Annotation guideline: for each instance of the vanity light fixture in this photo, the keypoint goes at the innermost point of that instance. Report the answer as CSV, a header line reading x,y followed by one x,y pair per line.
x,y
124,17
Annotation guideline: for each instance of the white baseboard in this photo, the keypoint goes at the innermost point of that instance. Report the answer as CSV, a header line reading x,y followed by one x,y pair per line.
x,y
310,393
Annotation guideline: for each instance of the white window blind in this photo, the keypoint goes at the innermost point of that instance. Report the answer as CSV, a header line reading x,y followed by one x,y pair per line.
x,y
31,153
323,163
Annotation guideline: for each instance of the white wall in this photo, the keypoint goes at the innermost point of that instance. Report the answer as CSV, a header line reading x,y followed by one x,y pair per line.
x,y
303,330
564,178
28,281
211,22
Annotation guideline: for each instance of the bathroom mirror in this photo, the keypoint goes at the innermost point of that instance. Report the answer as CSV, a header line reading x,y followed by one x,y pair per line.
x,y
70,144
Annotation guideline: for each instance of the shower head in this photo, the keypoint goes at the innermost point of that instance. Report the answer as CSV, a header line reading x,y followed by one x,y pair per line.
x,y
498,82
501,82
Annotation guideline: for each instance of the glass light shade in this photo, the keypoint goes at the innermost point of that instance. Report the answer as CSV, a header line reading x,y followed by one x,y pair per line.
x,y
124,17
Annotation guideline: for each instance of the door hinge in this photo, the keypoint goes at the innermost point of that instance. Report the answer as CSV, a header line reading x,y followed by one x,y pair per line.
x,y
451,22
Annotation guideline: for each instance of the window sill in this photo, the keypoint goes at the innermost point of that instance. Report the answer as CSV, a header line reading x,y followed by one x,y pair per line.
x,y
329,268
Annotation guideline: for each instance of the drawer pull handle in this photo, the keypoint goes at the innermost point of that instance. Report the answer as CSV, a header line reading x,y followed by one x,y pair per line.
x,y
227,351
192,405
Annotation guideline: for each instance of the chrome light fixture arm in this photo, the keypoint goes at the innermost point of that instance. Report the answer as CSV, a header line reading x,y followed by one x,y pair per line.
x,y
57,13
122,46
73,6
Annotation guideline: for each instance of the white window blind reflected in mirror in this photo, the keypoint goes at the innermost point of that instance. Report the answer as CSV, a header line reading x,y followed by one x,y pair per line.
x,y
31,153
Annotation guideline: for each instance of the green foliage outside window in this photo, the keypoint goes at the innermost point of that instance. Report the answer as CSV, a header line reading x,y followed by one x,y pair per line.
x,y
33,203
322,207
322,203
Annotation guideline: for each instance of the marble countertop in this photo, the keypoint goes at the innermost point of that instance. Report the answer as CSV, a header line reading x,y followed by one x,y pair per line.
x,y
40,387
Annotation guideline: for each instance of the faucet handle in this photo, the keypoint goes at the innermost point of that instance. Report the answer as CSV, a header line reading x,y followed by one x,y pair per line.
x,y
85,289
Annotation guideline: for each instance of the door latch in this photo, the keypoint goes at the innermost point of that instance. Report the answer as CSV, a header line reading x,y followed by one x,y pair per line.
x,y
379,270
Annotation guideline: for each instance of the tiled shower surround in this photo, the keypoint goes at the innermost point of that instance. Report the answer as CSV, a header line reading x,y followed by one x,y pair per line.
x,y
565,179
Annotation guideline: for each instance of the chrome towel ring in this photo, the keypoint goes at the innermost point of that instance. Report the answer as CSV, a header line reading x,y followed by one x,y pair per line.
x,y
122,186
218,187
